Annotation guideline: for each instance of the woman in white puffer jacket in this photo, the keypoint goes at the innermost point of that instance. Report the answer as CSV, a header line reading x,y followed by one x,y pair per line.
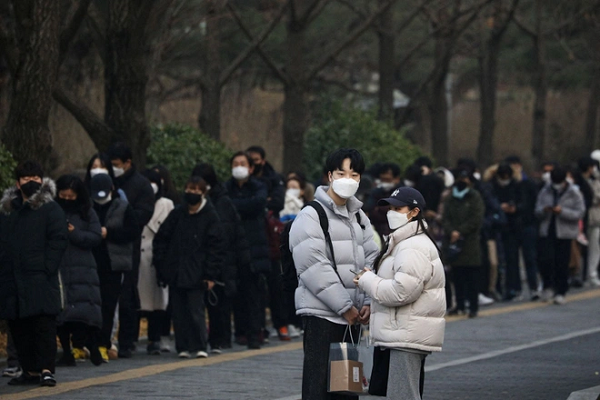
x,y
408,300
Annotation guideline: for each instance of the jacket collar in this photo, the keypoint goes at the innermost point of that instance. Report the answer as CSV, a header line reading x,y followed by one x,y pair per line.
x,y
13,200
352,206
404,232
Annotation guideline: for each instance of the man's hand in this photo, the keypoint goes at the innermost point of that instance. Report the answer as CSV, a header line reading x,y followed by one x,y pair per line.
x,y
557,210
351,315
364,315
104,233
70,227
210,284
454,236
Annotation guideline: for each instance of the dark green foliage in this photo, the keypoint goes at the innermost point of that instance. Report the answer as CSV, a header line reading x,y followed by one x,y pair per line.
x,y
181,147
7,166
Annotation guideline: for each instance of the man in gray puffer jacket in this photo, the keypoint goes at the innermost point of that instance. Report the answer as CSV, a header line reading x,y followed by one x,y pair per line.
x,y
326,297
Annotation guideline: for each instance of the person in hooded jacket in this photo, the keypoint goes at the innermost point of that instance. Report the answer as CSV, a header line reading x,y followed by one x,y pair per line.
x,y
154,297
407,295
189,250
119,228
33,238
82,315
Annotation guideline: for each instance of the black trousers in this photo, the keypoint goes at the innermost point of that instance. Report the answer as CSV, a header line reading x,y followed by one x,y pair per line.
x,y
110,290
246,306
35,340
189,319
11,352
275,297
554,256
156,323
219,316
129,304
78,333
318,334
466,285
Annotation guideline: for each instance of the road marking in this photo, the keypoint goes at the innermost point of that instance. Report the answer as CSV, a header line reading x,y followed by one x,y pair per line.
x,y
512,349
226,357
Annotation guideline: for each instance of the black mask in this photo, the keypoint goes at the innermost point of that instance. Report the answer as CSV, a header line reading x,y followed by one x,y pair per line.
x,y
192,198
258,169
67,205
30,188
461,185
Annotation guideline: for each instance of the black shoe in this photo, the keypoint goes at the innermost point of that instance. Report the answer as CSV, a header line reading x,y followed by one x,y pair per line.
x,y
47,379
456,311
472,314
24,379
66,361
253,345
125,353
153,349
95,356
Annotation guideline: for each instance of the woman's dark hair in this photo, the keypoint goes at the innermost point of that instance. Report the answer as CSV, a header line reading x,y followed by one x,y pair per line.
x,y
120,151
105,161
207,172
336,159
168,187
154,177
420,219
29,168
196,182
296,178
74,183
242,153
558,174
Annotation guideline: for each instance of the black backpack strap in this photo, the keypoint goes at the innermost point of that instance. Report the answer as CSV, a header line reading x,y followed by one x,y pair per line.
x,y
324,222
358,219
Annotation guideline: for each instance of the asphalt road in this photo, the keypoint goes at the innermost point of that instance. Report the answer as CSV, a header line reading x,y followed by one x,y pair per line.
x,y
523,350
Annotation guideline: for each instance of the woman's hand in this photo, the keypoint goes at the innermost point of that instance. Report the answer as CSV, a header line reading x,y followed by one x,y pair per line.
x,y
364,315
357,276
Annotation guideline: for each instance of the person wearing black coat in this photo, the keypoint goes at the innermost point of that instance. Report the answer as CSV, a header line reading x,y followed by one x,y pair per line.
x,y
82,315
189,250
33,238
140,195
237,257
249,196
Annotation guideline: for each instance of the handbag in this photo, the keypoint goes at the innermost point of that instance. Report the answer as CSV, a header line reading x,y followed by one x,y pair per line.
x,y
380,372
345,375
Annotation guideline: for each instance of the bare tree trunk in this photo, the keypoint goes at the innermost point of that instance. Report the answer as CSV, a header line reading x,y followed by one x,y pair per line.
x,y
591,120
26,133
126,75
541,90
488,76
386,64
438,106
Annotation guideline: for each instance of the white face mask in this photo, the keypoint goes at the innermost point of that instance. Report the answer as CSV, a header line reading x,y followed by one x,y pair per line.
x,y
154,187
557,186
97,171
409,183
396,219
240,173
294,193
570,180
546,177
118,171
345,187
106,200
503,182
387,185
477,175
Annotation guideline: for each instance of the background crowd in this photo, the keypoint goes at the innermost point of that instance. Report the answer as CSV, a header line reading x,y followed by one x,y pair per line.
x,y
127,245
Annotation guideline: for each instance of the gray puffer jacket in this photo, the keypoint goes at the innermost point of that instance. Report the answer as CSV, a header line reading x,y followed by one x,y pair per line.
x,y
320,292
573,209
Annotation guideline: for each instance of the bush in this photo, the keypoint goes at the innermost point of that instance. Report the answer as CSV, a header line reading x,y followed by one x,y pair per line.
x,y
7,167
336,125
180,148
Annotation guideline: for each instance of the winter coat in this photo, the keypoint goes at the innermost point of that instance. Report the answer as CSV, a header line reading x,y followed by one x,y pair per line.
x,y
115,251
431,186
79,273
189,248
250,201
33,238
573,209
152,296
275,188
291,208
408,299
512,195
320,292
465,216
237,255
594,209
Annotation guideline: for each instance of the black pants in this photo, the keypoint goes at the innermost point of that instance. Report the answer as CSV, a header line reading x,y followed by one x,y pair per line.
x,y
466,285
219,316
80,334
156,323
165,329
554,256
510,240
35,340
188,319
129,304
11,352
110,290
246,306
318,334
275,295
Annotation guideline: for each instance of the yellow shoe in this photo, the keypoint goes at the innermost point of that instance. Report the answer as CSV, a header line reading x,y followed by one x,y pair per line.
x,y
79,354
103,353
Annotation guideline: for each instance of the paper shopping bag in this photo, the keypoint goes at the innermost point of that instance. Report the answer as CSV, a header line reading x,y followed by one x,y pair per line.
x,y
345,371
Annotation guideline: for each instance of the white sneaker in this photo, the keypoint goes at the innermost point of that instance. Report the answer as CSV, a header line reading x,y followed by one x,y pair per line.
x,y
559,300
484,300
547,294
201,354
293,332
185,354
165,347
595,282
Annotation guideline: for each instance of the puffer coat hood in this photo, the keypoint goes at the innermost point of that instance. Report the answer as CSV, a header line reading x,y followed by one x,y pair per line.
x,y
408,299
12,198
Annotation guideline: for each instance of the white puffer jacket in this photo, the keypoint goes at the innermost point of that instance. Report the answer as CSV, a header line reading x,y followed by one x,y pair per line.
x,y
408,301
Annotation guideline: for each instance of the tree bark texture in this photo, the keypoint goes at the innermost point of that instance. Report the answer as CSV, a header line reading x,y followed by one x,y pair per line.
x,y
26,133
488,77
591,120
438,105
126,75
386,64
540,87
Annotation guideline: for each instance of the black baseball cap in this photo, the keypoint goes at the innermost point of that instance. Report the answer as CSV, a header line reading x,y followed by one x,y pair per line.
x,y
404,196
101,186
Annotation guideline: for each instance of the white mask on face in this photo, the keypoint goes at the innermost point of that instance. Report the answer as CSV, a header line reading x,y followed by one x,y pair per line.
x,y
557,186
294,193
106,200
570,180
118,171
240,173
546,177
409,183
396,219
97,171
477,175
345,187
387,185
154,187
503,182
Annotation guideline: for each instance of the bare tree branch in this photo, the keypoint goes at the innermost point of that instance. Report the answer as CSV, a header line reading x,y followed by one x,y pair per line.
x,y
70,31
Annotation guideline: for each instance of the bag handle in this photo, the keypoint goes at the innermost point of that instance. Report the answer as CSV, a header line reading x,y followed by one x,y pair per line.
x,y
349,329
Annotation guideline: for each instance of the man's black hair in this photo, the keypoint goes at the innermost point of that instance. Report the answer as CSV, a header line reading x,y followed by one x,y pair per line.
x,y
585,163
120,151
74,183
395,168
558,174
504,169
207,172
424,161
29,168
467,163
336,159
513,160
257,149
413,173
553,164
242,153
196,182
